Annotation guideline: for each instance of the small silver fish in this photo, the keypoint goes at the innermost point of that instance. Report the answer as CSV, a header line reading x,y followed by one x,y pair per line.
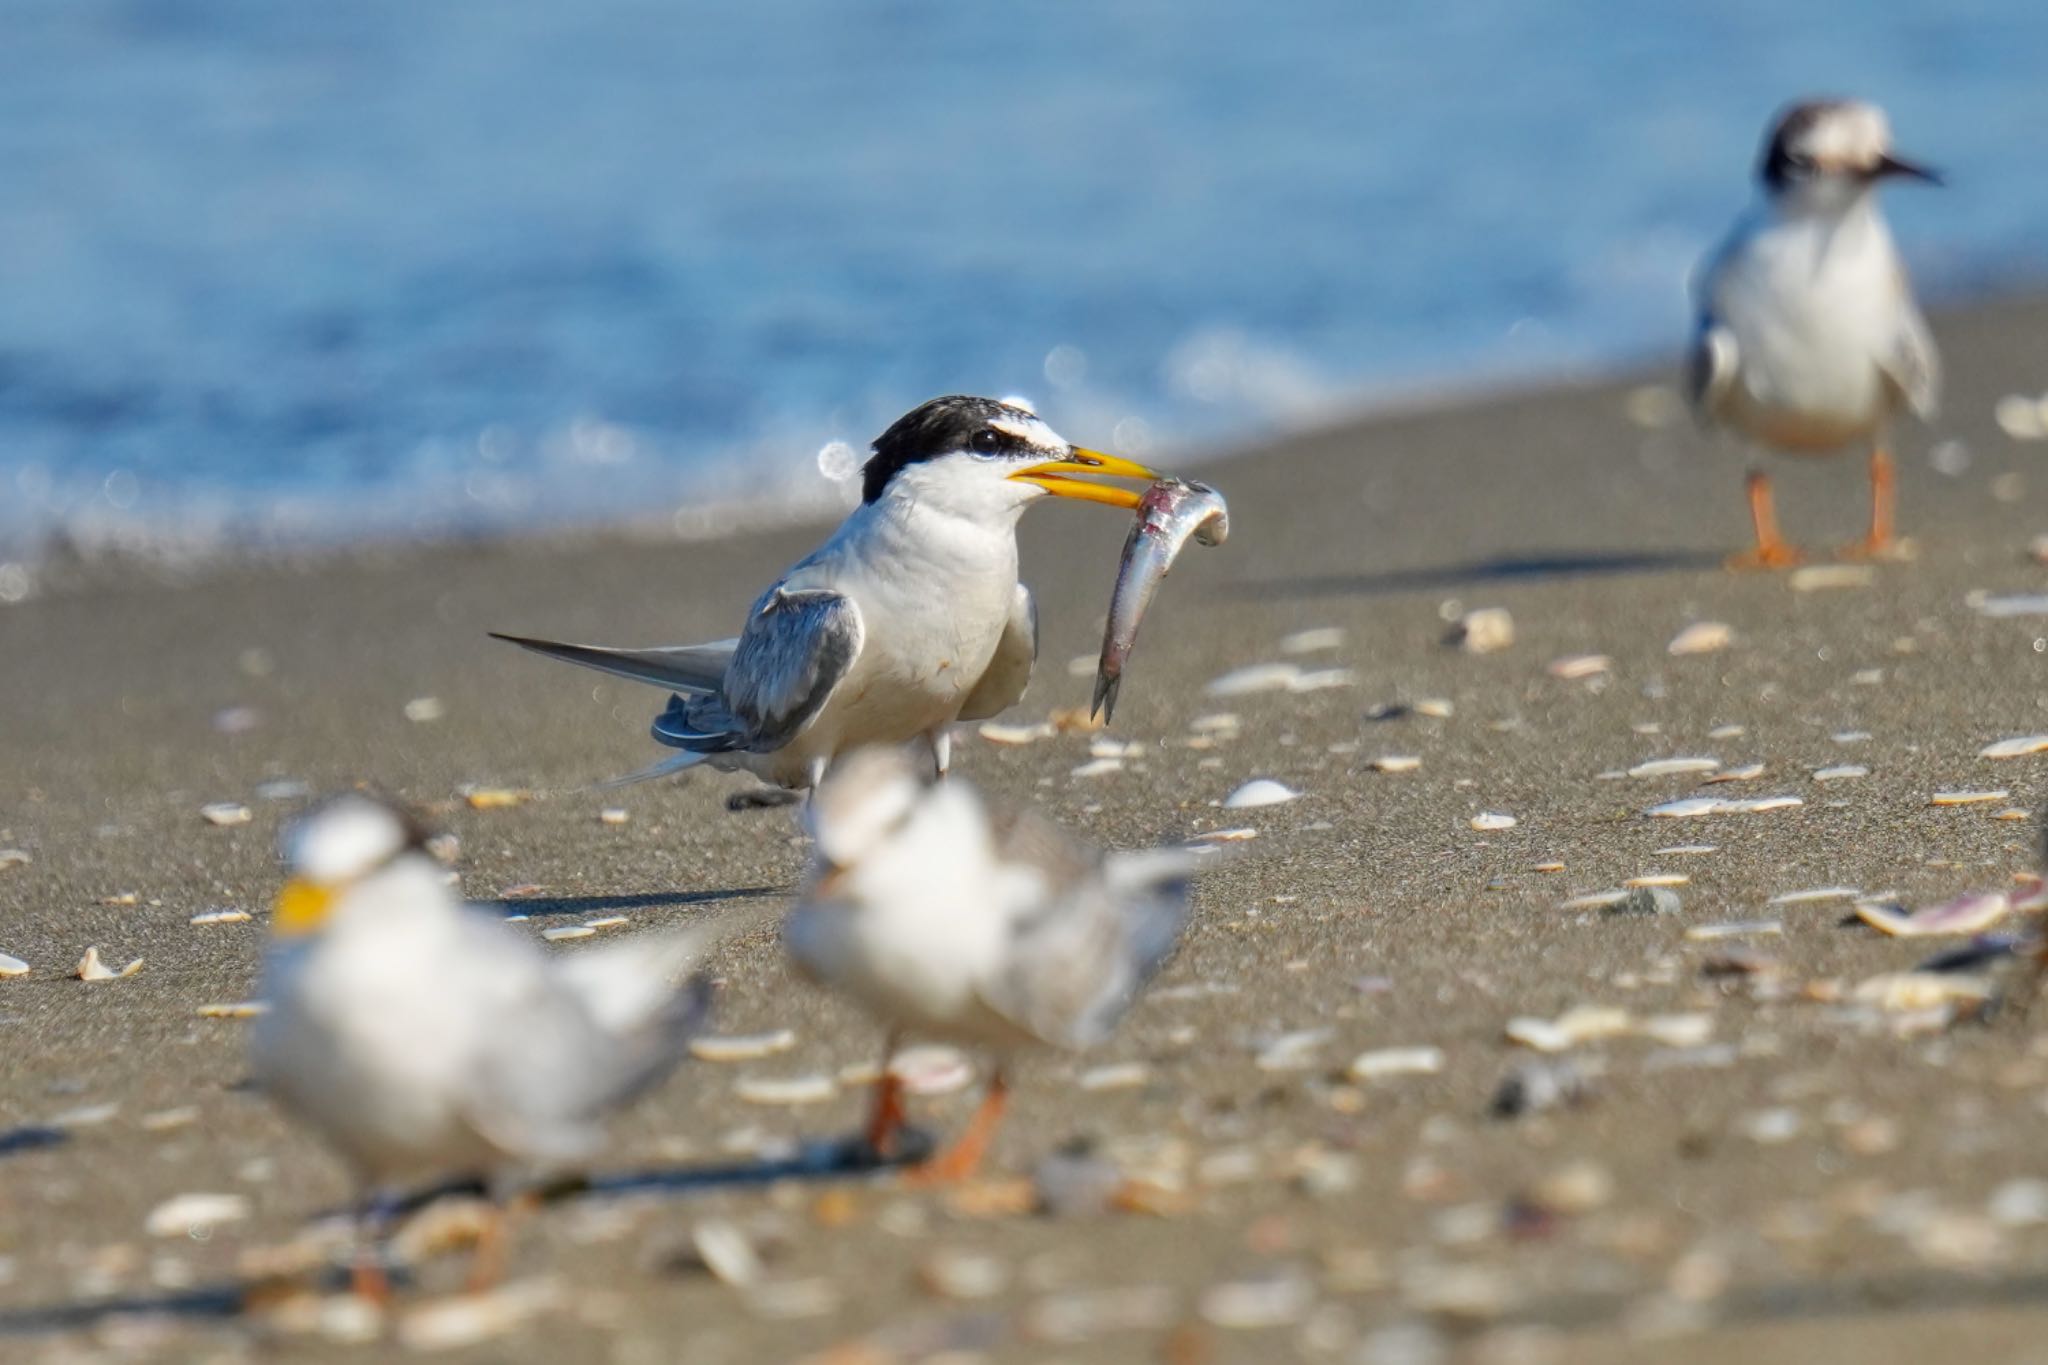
x,y
1170,512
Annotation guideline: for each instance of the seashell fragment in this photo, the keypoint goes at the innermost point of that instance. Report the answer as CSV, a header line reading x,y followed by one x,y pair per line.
x,y
1688,806
12,966
1240,682
185,1215
1260,791
464,1320
1115,1076
1225,836
1701,637
1840,772
741,1047
1686,850
1596,900
566,931
1438,708
225,814
1395,763
1667,767
424,710
1658,879
1312,641
1098,767
1970,914
241,1009
1580,1024
1396,1061
1488,820
1748,772
495,798
1483,631
1292,1051
932,1069
996,732
2015,748
1575,666
221,917
1821,577
613,815
90,968
1913,991
1744,928
815,1088
1818,893
13,857
1967,798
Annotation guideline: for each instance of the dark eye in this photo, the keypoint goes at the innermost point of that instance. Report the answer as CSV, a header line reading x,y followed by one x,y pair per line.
x,y
986,442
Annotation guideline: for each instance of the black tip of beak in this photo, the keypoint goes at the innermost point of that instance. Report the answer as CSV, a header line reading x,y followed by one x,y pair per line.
x,y
1889,165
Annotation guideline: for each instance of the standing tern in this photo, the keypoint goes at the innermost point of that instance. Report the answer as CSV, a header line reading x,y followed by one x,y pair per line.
x,y
946,919
908,618
1808,337
423,1038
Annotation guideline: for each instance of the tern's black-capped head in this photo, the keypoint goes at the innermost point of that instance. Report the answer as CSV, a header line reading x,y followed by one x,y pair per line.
x,y
982,456
1831,150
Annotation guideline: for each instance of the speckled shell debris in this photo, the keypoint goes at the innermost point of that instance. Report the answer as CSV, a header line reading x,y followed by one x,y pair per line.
x,y
1701,637
1260,791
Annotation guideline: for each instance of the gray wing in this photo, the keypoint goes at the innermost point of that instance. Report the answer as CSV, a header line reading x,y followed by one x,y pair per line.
x,y
560,1061
1002,684
1710,366
1913,365
693,668
799,643
1079,960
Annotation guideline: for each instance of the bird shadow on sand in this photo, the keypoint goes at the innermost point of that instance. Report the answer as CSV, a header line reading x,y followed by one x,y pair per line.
x,y
232,1300
536,906
1501,569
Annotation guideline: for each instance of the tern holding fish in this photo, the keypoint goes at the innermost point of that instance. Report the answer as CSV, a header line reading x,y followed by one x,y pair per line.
x,y
1169,513
949,919
909,618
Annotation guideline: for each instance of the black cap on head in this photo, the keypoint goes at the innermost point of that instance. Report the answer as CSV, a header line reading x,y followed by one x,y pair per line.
x,y
1785,159
938,427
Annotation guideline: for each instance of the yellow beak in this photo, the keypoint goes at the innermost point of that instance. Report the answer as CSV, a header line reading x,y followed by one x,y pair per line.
x,y
1053,477
300,909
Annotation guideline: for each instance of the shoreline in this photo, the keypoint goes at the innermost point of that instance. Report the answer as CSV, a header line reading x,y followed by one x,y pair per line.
x,y
62,561
1768,1136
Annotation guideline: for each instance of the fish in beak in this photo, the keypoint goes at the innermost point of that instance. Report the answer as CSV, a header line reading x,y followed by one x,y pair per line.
x,y
1056,478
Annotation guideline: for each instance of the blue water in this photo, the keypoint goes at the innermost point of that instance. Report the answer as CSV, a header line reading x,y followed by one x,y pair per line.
x,y
276,272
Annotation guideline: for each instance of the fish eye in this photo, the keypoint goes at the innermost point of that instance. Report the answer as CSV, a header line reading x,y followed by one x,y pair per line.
x,y
987,441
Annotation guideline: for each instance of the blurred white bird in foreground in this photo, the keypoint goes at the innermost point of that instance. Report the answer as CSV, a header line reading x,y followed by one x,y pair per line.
x,y
947,920
1808,337
424,1039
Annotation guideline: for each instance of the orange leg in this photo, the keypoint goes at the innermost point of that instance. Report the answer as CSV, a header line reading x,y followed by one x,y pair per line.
x,y
960,1161
1771,551
887,1116
487,1262
367,1278
1884,496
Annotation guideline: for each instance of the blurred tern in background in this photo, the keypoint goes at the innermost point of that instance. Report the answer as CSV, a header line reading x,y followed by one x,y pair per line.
x,y
1808,338
909,618
948,920
424,1039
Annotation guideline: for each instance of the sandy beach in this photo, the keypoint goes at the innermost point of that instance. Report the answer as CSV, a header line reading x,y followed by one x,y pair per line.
x,y
1764,1160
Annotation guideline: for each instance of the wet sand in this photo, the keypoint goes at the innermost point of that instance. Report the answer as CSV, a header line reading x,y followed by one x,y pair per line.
x,y
1785,1176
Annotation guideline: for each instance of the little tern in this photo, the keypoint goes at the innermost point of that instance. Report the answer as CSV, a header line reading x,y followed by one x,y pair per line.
x,y
947,919
908,618
423,1038
1808,338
